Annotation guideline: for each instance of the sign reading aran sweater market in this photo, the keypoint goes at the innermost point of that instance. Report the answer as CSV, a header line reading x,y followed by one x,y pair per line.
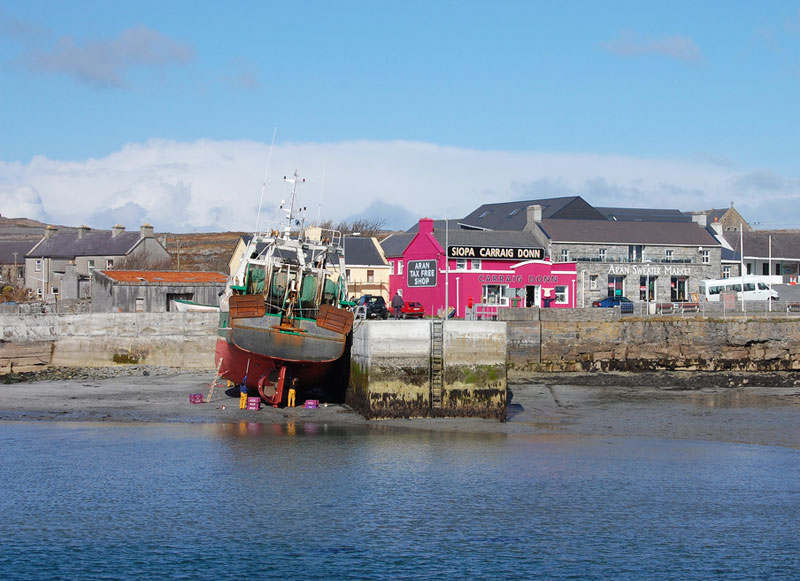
x,y
421,273
495,252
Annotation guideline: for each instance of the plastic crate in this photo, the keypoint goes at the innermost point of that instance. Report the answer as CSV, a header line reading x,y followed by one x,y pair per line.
x,y
254,403
196,398
311,404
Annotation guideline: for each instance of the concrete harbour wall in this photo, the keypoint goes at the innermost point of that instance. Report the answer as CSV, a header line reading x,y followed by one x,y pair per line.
x,y
91,340
391,370
542,340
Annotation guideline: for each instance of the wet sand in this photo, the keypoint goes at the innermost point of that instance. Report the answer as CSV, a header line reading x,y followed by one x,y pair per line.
x,y
752,409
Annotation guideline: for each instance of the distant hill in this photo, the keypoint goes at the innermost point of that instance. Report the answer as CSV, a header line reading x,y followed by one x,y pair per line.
x,y
24,229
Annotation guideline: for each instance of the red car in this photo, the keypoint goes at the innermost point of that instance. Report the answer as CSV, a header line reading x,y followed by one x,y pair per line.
x,y
412,310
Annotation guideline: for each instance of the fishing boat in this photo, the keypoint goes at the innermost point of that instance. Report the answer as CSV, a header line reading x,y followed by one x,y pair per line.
x,y
284,320
183,306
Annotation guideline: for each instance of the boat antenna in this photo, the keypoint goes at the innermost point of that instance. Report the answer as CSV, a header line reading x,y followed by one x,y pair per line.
x,y
264,183
321,190
294,180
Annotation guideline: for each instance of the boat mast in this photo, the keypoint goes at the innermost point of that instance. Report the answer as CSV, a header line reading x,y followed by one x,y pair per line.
x,y
294,180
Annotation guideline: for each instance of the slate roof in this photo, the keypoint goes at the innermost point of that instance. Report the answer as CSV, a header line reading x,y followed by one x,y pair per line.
x,y
785,243
644,215
513,215
93,243
361,251
395,244
9,247
615,232
164,276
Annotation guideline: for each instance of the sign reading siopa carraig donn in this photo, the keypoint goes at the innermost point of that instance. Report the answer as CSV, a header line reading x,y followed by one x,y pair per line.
x,y
495,253
421,273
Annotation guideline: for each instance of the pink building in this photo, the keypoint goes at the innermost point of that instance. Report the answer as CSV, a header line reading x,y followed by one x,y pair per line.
x,y
484,269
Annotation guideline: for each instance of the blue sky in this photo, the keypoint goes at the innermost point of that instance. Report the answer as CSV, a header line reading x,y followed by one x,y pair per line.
x,y
164,111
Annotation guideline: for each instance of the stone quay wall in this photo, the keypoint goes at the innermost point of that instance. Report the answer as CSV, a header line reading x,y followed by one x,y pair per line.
x,y
391,370
602,340
183,340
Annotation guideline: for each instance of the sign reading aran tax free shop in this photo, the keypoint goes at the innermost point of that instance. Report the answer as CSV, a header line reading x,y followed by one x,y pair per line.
x,y
421,273
495,252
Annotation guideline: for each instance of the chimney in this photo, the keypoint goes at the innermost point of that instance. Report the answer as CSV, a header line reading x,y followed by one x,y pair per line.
x,y
117,230
49,231
82,230
701,219
426,226
146,231
534,216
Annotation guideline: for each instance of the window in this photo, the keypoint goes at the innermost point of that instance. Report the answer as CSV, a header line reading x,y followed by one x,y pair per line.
x,y
726,271
677,286
495,294
765,268
704,258
635,253
476,264
38,265
39,292
347,275
593,278
139,307
601,254
399,267
668,255
461,264
91,263
370,276
484,214
391,267
645,293
109,263
616,286
514,212
561,295
564,255
55,290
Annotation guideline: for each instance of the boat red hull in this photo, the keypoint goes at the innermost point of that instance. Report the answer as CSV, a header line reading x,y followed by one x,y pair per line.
x,y
240,366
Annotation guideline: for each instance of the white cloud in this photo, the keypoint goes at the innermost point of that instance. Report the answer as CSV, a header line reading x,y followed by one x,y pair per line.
x,y
677,47
216,185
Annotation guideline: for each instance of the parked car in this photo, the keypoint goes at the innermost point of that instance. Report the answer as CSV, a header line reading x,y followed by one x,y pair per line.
x,y
611,302
413,310
373,306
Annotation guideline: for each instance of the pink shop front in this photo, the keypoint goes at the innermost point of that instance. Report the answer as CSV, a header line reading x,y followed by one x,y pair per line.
x,y
485,271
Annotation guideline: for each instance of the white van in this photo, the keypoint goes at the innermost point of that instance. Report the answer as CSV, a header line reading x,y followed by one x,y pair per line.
x,y
748,288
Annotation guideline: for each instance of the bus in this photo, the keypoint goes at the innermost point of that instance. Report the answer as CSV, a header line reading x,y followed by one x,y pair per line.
x,y
748,288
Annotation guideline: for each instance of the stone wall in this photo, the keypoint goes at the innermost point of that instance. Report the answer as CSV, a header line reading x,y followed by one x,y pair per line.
x,y
390,370
600,340
183,340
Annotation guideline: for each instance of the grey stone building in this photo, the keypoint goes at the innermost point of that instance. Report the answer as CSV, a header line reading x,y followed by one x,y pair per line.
x,y
60,265
153,291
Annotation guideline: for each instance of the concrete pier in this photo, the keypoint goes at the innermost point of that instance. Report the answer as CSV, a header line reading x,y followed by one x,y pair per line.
x,y
428,368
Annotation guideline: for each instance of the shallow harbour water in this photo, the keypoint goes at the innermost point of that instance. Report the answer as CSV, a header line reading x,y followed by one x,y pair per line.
x,y
309,501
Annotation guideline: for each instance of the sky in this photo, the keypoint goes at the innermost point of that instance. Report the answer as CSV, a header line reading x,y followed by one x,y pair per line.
x,y
187,115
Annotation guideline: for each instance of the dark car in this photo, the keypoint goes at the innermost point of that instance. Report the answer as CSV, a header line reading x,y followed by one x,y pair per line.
x,y
413,310
611,302
373,306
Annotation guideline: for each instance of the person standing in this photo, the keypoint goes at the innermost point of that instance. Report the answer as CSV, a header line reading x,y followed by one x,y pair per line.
x,y
397,305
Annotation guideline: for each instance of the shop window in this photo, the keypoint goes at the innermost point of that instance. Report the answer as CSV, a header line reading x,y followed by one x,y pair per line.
x,y
461,264
562,296
645,293
601,254
704,257
565,255
616,285
38,266
677,287
476,264
726,271
593,278
370,276
495,294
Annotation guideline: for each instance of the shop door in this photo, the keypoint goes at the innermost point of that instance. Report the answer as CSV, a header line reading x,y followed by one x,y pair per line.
x,y
533,296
